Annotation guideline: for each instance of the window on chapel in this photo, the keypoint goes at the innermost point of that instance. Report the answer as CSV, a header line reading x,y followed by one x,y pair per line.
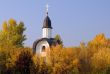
x,y
43,48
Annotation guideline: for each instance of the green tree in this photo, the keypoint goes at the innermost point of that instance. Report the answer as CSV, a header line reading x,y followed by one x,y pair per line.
x,y
58,39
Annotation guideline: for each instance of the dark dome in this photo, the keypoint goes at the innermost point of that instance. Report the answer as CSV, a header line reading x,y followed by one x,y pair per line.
x,y
47,22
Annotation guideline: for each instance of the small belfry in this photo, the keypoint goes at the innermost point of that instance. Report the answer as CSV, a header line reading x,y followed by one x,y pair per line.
x,y
43,45
47,28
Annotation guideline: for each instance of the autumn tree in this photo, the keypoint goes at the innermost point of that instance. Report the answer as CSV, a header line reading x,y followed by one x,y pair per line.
x,y
62,60
7,59
98,53
12,34
101,61
24,62
99,41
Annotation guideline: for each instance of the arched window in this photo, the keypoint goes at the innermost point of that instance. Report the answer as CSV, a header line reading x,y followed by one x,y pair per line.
x,y
43,48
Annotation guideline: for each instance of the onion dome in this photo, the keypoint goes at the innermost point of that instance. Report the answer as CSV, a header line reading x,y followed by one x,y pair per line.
x,y
47,22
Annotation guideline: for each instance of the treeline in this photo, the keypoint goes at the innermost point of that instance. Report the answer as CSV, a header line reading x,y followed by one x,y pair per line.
x,y
90,58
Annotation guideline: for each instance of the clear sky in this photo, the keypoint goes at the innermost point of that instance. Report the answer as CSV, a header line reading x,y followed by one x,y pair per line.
x,y
75,20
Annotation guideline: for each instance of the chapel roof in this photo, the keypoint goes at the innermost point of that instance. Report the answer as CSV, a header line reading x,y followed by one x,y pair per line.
x,y
51,41
47,22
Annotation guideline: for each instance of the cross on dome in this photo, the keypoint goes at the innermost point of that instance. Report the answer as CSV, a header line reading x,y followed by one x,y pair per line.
x,y
47,8
47,21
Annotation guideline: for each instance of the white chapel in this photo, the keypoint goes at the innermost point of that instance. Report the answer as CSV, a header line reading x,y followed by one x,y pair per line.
x,y
43,45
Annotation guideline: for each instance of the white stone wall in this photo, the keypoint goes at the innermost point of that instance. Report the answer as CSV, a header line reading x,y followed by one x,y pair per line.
x,y
39,48
47,33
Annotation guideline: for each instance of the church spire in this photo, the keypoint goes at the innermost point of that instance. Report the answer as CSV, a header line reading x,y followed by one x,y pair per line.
x,y
47,28
47,21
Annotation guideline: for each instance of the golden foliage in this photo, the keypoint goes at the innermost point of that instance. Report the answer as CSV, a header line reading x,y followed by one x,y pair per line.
x,y
5,26
11,34
93,58
12,22
61,60
99,40
101,59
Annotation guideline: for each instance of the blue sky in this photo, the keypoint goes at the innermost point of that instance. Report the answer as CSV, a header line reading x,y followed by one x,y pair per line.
x,y
75,20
